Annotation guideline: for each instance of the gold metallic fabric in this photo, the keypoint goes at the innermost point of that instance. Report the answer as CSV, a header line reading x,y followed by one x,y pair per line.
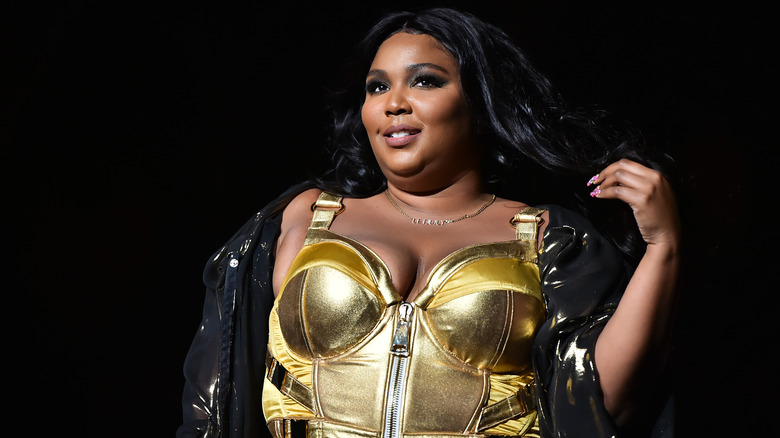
x,y
467,341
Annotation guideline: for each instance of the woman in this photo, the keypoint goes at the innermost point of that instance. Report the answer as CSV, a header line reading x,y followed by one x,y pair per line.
x,y
398,294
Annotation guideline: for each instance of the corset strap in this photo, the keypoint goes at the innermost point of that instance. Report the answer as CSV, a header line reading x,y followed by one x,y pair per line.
x,y
288,384
516,405
325,209
527,224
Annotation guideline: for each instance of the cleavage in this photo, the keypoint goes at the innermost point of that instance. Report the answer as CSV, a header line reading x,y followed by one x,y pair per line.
x,y
410,264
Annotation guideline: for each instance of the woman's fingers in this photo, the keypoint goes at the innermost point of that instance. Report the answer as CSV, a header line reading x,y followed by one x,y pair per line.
x,y
623,173
648,194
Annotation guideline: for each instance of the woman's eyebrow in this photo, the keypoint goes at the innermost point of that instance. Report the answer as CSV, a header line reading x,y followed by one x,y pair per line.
x,y
376,72
410,67
426,65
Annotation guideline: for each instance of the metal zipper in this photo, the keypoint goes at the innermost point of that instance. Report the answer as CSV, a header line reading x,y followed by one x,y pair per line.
x,y
399,350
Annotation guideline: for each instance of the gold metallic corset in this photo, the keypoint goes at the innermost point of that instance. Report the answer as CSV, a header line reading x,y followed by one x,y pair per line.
x,y
350,356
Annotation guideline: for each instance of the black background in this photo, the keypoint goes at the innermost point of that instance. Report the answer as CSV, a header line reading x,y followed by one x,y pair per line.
x,y
137,136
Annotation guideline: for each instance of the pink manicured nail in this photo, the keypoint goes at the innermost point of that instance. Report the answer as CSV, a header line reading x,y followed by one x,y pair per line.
x,y
595,192
593,180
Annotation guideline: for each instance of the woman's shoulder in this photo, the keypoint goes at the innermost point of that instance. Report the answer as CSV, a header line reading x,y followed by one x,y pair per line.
x,y
298,210
304,199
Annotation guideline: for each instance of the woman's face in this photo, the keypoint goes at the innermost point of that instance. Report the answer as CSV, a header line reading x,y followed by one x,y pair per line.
x,y
416,115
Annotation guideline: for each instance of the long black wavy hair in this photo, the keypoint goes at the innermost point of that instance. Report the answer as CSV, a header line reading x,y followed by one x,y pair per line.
x,y
537,147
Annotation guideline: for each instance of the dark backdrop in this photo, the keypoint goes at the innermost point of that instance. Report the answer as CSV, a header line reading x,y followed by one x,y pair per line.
x,y
137,136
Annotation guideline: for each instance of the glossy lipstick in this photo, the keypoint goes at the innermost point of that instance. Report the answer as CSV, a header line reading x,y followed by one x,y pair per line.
x,y
400,135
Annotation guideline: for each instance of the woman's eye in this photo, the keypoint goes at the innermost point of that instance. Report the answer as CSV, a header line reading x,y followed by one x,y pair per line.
x,y
374,87
427,81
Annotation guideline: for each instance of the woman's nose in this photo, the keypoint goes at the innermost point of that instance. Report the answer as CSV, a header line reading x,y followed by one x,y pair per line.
x,y
397,102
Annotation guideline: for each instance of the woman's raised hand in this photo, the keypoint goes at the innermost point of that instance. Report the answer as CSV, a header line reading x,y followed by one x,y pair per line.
x,y
649,195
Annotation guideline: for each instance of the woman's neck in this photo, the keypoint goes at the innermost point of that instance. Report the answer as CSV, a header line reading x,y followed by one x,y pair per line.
x,y
453,200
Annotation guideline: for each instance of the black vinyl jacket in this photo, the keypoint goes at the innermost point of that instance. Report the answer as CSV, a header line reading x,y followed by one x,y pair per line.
x,y
583,278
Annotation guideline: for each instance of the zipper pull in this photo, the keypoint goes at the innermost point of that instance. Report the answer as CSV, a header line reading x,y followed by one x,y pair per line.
x,y
400,345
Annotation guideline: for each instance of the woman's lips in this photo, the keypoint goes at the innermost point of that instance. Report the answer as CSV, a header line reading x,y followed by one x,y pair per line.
x,y
400,135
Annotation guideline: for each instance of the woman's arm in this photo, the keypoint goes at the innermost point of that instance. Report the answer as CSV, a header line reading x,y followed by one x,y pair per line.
x,y
631,350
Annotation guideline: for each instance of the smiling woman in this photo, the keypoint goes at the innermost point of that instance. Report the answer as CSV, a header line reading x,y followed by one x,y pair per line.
x,y
412,290
416,115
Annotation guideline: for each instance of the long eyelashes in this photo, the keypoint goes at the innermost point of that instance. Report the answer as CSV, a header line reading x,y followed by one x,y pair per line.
x,y
374,87
421,81
428,81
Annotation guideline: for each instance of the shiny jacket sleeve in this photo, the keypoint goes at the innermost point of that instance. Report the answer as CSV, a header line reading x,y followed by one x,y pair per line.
x,y
224,367
583,277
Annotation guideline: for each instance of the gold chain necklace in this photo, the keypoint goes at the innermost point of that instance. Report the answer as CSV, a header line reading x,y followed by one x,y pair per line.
x,y
439,221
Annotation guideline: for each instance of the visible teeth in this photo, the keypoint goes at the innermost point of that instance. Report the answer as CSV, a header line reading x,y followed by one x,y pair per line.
x,y
400,134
